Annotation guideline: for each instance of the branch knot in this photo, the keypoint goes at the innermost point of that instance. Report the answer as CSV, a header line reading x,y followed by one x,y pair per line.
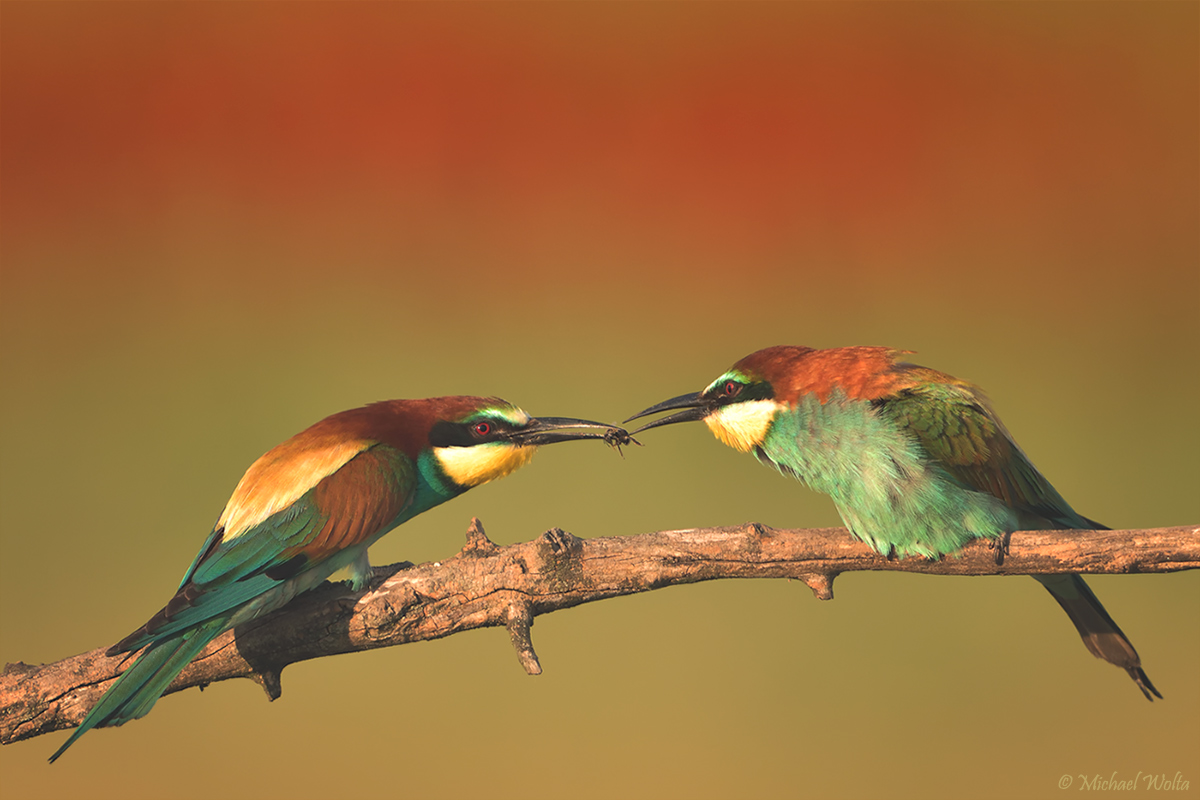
x,y
478,544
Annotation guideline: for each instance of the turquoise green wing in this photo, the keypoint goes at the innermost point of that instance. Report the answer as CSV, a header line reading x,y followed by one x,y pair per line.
x,y
956,426
361,499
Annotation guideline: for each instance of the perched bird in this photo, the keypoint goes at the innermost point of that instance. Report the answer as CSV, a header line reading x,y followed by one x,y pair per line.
x,y
915,460
312,506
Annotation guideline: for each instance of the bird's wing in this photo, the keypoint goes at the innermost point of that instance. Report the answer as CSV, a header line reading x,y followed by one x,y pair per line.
x,y
954,423
343,509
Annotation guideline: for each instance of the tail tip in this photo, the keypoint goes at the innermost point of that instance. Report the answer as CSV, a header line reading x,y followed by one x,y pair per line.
x,y
61,750
1143,681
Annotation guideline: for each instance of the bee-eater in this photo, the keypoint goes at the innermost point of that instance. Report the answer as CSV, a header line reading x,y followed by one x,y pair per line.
x,y
915,460
312,506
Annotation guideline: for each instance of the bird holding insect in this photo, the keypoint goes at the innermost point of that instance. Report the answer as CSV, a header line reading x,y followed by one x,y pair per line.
x,y
916,461
314,505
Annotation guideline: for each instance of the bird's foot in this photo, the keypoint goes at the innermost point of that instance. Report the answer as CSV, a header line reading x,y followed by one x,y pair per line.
x,y
356,583
373,576
1001,545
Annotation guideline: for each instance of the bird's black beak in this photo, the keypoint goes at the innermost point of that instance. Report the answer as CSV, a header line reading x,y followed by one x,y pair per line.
x,y
693,405
548,430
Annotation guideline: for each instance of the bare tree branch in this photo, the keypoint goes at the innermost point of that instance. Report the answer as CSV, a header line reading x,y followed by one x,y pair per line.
x,y
485,585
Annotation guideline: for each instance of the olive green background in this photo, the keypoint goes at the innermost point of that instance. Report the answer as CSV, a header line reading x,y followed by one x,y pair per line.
x,y
223,222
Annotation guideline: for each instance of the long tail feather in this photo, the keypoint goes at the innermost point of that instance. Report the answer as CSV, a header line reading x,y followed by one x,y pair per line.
x,y
140,686
1100,634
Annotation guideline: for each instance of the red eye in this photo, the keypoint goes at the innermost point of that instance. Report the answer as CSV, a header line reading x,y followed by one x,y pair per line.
x,y
482,428
732,388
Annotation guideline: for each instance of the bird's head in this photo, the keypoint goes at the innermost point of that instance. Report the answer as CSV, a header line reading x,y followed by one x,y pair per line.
x,y
476,439
740,404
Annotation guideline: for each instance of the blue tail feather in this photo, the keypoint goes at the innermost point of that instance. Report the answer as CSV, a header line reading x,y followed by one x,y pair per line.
x,y
140,686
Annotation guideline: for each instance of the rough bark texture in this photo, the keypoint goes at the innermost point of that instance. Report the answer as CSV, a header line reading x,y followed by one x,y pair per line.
x,y
485,585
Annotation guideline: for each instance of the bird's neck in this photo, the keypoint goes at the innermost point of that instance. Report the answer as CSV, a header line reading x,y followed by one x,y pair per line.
x,y
434,486
836,443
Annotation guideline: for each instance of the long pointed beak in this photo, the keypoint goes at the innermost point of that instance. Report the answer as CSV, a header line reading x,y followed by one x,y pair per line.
x,y
694,408
548,430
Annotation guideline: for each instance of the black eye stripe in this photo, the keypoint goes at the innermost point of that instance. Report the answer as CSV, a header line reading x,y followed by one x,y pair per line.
x,y
465,434
731,391
449,434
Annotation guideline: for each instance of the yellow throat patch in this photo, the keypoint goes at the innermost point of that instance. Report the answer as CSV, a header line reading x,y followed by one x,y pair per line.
x,y
472,466
742,426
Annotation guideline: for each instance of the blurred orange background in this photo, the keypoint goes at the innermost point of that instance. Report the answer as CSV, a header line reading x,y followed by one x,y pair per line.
x,y
221,222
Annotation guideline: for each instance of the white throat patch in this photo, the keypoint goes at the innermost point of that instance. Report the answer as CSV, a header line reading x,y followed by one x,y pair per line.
x,y
742,426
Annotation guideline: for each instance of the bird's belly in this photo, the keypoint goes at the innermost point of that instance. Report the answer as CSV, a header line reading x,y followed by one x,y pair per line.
x,y
885,488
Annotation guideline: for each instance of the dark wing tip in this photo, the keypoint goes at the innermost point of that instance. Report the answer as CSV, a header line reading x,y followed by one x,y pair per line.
x,y
185,598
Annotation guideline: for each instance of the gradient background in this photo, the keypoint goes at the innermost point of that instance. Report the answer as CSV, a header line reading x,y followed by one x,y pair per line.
x,y
222,222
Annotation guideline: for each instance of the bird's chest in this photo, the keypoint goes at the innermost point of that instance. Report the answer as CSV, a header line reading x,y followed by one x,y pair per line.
x,y
840,445
886,489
